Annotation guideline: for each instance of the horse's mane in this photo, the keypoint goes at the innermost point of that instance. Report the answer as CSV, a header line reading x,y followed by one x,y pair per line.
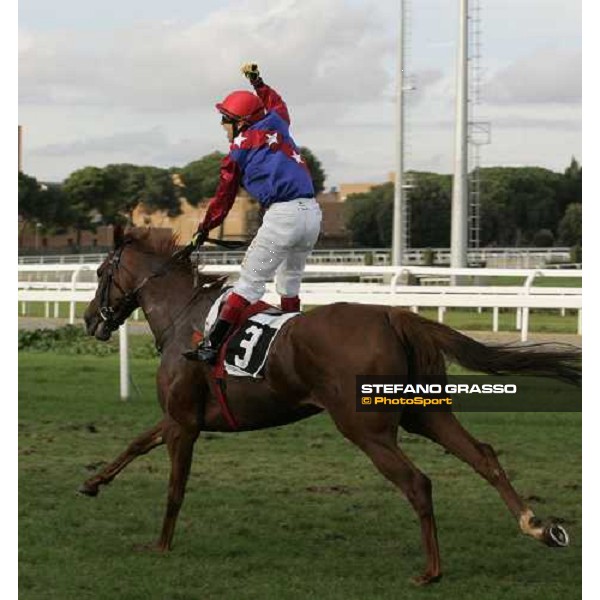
x,y
163,243
160,242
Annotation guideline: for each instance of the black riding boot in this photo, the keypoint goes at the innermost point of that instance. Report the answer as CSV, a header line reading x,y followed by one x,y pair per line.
x,y
208,349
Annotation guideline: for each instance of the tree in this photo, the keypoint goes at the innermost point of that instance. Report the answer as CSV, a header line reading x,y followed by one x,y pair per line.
x,y
45,204
131,185
111,194
519,206
160,192
569,229
571,189
368,216
30,204
543,238
315,168
518,202
86,191
429,201
124,190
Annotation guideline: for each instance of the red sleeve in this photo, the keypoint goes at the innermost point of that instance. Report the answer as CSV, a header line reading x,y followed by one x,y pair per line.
x,y
272,100
227,190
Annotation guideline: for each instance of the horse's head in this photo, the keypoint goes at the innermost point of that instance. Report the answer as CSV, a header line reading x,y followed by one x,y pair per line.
x,y
118,286
138,257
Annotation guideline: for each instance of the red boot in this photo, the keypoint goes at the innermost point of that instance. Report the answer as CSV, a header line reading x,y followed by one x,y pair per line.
x,y
290,304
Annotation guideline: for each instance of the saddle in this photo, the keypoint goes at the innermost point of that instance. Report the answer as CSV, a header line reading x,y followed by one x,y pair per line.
x,y
245,352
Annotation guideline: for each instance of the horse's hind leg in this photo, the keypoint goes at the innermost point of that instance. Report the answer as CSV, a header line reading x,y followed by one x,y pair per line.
x,y
375,434
445,429
141,445
416,486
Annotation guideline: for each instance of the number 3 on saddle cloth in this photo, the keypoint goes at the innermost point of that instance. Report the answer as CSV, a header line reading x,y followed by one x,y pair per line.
x,y
244,353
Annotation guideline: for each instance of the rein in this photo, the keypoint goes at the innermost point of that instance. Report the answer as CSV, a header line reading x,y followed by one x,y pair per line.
x,y
182,311
114,317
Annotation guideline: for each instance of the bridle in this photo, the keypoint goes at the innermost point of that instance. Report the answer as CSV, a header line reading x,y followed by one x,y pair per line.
x,y
115,316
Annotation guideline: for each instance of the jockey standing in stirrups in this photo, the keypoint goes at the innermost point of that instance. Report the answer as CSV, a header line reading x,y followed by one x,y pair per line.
x,y
265,160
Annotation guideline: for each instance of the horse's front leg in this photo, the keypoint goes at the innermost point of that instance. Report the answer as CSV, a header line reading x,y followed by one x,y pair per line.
x,y
141,445
180,441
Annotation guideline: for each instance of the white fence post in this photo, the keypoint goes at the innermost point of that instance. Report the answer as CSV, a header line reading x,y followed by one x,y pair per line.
x,y
524,324
72,302
124,361
74,288
525,309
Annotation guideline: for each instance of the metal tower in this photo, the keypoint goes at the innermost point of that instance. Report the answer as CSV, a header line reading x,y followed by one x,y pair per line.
x,y
479,132
469,137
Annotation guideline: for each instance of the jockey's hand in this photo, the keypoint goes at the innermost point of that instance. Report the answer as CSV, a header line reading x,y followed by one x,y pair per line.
x,y
198,239
251,72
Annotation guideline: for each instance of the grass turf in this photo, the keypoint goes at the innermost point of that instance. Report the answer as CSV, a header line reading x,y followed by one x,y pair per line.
x,y
294,512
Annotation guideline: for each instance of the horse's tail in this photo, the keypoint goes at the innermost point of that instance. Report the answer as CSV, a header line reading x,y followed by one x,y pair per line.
x,y
427,340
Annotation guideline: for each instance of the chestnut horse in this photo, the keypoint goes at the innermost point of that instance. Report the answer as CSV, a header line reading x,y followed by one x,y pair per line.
x,y
311,367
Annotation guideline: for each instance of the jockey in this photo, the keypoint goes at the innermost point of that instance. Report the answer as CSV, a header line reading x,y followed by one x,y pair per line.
x,y
265,160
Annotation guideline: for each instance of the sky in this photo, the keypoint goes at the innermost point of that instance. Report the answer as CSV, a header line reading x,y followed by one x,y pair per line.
x,y
136,81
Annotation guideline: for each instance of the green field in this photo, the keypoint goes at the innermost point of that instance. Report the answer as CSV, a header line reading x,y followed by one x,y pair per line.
x,y
294,512
537,282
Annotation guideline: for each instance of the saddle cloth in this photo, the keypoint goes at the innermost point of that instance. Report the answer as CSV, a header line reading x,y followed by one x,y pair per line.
x,y
246,350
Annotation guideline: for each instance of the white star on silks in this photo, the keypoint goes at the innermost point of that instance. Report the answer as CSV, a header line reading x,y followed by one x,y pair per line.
x,y
271,138
297,157
239,140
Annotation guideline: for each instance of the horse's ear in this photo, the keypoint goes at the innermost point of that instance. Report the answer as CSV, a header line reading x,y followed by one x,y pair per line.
x,y
118,235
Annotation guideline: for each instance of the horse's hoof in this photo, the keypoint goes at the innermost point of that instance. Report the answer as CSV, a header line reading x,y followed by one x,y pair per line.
x,y
426,579
86,490
556,536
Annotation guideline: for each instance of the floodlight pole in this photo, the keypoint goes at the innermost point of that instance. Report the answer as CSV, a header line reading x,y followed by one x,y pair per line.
x,y
398,238
460,191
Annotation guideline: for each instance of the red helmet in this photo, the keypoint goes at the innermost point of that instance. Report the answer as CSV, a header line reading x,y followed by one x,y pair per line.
x,y
242,106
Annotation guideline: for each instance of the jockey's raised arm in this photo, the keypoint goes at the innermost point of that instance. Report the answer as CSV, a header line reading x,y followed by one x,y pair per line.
x,y
271,99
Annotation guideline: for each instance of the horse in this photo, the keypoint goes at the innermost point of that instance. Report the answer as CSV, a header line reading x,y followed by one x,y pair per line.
x,y
311,368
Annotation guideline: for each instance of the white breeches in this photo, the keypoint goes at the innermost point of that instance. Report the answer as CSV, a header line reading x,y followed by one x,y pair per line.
x,y
286,237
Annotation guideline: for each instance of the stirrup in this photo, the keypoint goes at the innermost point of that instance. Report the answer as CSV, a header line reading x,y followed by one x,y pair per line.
x,y
203,353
